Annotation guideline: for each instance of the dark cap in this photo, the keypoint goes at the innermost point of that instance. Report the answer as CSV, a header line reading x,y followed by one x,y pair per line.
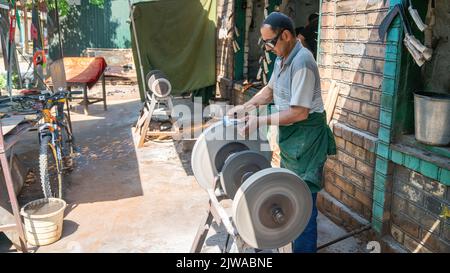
x,y
279,21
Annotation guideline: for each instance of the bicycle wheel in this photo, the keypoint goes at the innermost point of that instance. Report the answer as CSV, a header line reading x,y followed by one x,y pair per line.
x,y
50,168
67,144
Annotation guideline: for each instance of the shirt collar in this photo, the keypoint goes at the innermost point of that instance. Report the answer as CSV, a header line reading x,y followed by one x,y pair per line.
x,y
291,55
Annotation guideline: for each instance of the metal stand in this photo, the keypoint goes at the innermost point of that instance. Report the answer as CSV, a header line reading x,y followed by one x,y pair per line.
x,y
143,124
217,213
6,143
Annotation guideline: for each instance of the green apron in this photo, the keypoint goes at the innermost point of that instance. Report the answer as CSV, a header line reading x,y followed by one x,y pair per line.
x,y
304,147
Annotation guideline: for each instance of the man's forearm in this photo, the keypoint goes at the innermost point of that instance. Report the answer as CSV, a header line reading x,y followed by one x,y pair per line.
x,y
263,97
284,117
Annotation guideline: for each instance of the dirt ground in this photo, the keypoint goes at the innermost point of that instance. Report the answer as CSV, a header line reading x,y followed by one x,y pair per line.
x,y
123,199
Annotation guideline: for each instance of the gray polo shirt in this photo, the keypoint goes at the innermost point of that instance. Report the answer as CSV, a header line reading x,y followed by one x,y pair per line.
x,y
297,82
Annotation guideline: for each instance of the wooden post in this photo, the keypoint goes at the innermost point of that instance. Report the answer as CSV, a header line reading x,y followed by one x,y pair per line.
x,y
25,22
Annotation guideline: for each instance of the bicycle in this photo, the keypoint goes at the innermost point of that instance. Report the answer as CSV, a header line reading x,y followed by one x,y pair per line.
x,y
55,138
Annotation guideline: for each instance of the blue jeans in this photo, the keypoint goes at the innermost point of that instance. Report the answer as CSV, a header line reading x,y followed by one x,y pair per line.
x,y
307,241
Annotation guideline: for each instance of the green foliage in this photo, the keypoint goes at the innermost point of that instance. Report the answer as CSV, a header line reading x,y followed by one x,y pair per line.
x,y
64,7
2,81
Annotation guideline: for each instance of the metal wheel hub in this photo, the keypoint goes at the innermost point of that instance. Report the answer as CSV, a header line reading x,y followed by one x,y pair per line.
x,y
238,167
272,208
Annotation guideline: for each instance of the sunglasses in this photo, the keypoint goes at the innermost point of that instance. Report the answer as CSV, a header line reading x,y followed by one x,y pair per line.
x,y
271,43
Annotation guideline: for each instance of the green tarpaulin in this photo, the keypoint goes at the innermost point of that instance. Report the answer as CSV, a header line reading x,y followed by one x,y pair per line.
x,y
178,38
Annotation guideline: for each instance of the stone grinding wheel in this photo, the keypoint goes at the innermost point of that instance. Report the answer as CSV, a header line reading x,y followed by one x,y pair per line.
x,y
158,83
213,147
272,208
238,167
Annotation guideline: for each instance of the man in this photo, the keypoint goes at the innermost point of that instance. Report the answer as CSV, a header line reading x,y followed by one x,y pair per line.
x,y
308,34
305,140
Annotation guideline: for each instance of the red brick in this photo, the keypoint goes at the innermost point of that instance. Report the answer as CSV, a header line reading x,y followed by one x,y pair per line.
x,y
338,168
375,18
333,190
373,127
329,175
365,169
354,177
364,198
337,74
376,97
358,121
325,84
347,134
352,203
375,50
340,142
348,75
345,6
341,34
328,6
397,233
358,140
327,20
359,152
359,20
337,130
369,144
326,47
327,34
351,34
345,186
346,159
398,204
360,93
335,209
344,89
362,34
406,224
349,104
373,5
366,64
378,66
370,110
325,72
341,20
346,217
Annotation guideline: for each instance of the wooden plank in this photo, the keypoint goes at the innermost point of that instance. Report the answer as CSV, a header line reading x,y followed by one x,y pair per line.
x,y
225,218
10,227
333,93
9,123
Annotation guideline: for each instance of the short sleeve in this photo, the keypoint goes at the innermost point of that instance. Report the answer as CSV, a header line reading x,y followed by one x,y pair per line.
x,y
302,88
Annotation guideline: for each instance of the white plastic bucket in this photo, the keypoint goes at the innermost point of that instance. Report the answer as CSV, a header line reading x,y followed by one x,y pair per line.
x,y
43,219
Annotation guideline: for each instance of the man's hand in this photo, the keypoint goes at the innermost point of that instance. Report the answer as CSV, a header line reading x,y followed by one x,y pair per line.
x,y
250,126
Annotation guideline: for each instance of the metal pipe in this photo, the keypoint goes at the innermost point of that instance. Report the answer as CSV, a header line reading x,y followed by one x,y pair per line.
x,y
353,233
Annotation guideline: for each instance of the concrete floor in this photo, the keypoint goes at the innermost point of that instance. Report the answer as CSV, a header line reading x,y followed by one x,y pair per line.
x,y
125,200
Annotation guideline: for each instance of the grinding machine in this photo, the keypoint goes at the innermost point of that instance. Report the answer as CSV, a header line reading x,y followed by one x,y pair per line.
x,y
270,206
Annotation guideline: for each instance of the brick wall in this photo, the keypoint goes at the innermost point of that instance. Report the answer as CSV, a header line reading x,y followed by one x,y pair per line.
x,y
351,55
416,206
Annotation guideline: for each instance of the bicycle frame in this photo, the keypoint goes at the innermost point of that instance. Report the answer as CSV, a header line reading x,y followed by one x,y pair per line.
x,y
52,125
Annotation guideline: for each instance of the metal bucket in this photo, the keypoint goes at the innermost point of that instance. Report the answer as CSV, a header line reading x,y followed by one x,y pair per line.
x,y
432,118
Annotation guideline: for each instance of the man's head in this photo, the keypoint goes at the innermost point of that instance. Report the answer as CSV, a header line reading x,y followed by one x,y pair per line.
x,y
278,34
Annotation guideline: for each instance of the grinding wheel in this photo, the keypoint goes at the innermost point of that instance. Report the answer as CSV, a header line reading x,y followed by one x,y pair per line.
x,y
158,83
238,167
272,208
214,146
